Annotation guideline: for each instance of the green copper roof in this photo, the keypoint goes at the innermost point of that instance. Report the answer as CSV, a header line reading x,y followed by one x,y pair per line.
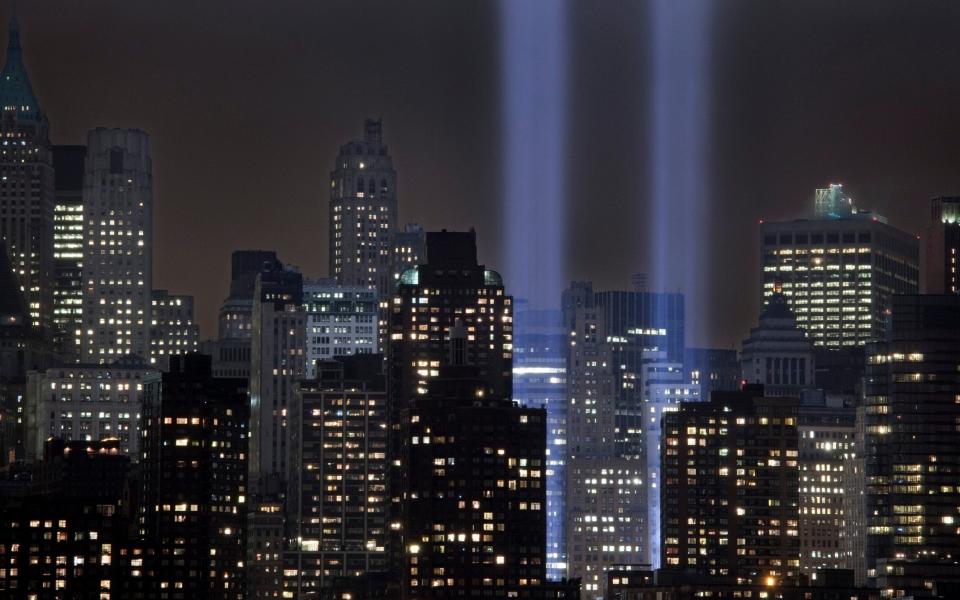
x,y
16,92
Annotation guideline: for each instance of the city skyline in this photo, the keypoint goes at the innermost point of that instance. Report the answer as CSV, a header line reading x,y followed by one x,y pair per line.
x,y
762,164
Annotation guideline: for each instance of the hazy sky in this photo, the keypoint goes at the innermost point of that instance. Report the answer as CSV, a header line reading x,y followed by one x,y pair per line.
x,y
247,103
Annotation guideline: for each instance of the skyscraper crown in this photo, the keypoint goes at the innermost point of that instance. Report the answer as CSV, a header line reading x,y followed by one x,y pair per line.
x,y
16,93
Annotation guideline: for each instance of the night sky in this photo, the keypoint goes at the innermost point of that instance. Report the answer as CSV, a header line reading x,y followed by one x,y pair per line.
x,y
247,103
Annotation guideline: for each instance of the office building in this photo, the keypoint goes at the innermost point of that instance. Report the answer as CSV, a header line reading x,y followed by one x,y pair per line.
x,y
363,212
194,482
539,380
829,523
912,447
778,354
612,337
730,494
89,403
338,515
473,486
26,186
712,370
118,251
839,269
277,362
172,328
68,164
341,321
943,246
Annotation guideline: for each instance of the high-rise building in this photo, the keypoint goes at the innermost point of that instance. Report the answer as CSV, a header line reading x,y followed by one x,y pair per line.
x,y
778,354
341,320
172,329
474,485
829,523
539,380
363,212
612,337
338,513
26,185
194,482
912,453
712,370
69,163
839,270
730,496
118,251
277,355
943,246
90,403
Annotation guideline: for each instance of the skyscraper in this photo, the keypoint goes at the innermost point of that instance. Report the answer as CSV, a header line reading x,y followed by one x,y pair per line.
x,y
712,369
363,212
69,164
474,489
730,496
118,251
194,482
341,320
26,185
338,514
277,355
409,249
172,328
912,453
839,270
943,246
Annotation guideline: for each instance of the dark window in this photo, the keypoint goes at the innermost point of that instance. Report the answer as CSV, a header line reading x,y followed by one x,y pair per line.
x,y
770,240
802,238
786,238
816,238
833,238
848,238
865,236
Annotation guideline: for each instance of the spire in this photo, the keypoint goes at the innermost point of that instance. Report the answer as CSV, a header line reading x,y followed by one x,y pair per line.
x,y
16,93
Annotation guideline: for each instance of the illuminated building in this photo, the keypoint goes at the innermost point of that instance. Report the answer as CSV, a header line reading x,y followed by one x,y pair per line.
x,y
912,447
778,355
828,452
26,185
172,330
539,380
838,270
194,477
341,321
363,212
664,387
265,540
69,164
65,532
118,251
612,336
430,298
90,403
473,490
943,246
730,494
277,355
338,514
712,370
409,249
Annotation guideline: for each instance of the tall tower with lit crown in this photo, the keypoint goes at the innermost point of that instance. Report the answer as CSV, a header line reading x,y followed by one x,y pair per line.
x,y
26,184
363,212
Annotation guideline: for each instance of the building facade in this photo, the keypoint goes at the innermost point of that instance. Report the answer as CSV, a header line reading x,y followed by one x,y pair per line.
x,y
730,499
172,328
912,447
778,354
26,185
363,212
118,255
69,164
341,321
943,246
839,270
90,403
